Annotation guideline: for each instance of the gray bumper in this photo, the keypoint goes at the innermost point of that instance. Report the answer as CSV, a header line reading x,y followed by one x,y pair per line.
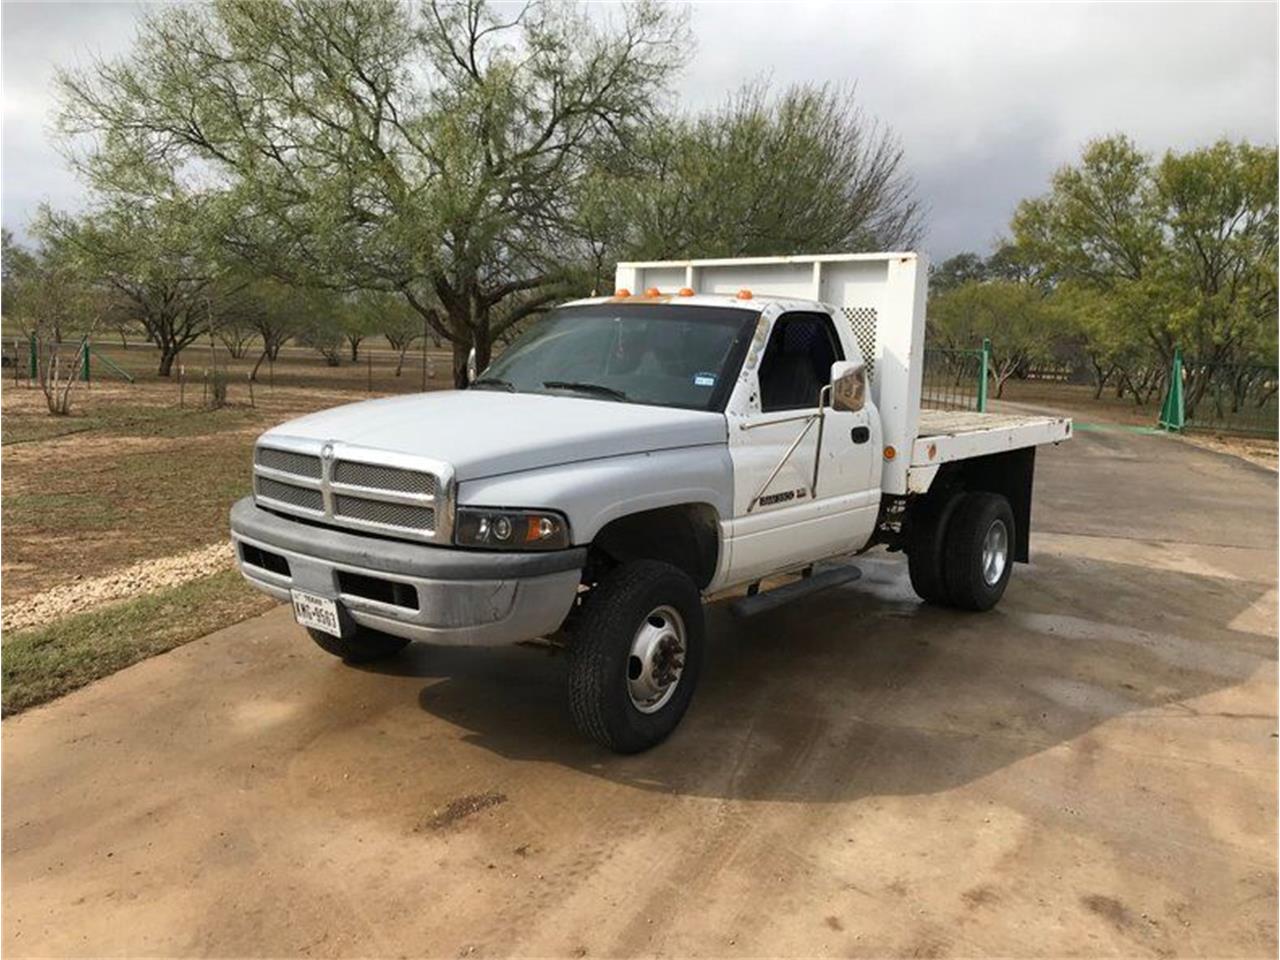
x,y
463,596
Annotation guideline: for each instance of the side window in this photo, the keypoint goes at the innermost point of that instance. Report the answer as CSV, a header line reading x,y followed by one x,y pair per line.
x,y
797,361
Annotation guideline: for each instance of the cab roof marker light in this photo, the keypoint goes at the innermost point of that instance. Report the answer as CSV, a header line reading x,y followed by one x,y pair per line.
x,y
744,294
653,292
622,292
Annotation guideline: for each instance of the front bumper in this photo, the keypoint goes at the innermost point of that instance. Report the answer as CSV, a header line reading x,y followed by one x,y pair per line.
x,y
409,590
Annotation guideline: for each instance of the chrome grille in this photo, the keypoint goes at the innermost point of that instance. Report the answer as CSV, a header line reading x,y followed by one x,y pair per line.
x,y
391,494
378,477
288,493
380,511
287,461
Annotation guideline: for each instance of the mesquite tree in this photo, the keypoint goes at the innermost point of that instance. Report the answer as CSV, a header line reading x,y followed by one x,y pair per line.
x,y
153,257
1182,251
803,171
431,152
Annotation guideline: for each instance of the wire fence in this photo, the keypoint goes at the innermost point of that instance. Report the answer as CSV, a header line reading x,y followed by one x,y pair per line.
x,y
954,379
210,374
1223,397
1231,397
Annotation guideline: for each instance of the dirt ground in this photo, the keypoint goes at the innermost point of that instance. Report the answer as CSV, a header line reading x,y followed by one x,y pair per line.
x,y
1088,770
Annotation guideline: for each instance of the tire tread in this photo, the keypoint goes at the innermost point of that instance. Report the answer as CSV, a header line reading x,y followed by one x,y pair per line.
x,y
966,590
927,548
609,612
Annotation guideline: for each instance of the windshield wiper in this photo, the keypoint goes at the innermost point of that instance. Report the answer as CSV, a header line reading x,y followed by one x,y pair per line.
x,y
596,388
493,383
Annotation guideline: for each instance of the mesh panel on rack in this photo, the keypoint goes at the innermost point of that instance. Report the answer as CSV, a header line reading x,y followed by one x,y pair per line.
x,y
862,320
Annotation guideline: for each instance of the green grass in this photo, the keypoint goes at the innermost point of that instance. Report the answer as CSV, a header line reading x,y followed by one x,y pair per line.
x,y
41,663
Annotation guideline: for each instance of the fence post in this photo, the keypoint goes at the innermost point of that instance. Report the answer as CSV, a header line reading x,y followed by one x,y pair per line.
x,y
424,354
983,373
34,358
84,360
1173,413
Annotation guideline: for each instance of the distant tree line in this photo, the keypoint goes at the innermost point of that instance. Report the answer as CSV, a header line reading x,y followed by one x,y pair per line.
x,y
1124,259
329,171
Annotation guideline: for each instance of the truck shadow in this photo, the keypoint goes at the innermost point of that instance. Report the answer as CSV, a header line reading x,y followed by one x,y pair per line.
x,y
862,690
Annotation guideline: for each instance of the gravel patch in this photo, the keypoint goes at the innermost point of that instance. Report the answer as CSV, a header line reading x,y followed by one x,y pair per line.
x,y
145,577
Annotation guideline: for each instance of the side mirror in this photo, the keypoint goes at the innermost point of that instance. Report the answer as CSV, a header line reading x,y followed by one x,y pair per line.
x,y
848,386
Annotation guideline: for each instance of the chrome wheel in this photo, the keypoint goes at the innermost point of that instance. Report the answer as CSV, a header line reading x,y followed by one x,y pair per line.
x,y
657,660
995,553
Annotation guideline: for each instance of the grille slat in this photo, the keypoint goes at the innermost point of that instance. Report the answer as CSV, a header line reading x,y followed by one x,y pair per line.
x,y
288,493
301,464
422,519
350,493
378,477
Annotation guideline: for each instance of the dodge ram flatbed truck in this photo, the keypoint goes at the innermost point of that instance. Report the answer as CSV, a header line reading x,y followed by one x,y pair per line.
x,y
713,424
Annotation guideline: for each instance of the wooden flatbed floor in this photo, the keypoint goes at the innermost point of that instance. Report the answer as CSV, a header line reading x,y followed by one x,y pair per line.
x,y
963,434
936,423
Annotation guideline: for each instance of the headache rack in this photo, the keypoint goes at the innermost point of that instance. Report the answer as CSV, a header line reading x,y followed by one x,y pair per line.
x,y
881,296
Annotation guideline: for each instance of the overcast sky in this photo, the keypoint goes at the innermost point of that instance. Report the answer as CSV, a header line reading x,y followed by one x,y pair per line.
x,y
988,99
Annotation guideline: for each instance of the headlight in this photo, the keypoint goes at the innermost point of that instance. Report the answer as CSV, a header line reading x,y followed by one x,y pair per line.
x,y
510,529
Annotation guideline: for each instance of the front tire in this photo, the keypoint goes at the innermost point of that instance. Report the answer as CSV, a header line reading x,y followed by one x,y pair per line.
x,y
364,646
979,551
636,655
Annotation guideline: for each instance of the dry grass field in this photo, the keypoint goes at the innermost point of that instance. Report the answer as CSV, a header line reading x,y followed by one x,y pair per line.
x,y
134,476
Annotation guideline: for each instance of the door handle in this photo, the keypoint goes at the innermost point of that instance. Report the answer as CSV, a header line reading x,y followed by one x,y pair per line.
x,y
860,434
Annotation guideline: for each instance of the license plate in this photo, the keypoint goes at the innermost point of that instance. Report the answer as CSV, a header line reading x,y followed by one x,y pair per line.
x,y
318,612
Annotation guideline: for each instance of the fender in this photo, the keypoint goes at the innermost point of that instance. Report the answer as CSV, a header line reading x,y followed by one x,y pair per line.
x,y
594,492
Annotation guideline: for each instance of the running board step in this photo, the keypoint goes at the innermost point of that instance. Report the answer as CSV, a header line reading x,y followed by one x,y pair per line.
x,y
772,599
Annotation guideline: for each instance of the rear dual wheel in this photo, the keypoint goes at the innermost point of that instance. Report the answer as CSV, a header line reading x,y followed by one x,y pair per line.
x,y
960,550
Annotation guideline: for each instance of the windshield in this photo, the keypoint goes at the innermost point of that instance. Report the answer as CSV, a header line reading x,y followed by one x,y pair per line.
x,y
661,354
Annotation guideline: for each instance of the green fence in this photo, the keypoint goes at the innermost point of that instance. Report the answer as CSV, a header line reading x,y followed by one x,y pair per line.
x,y
1223,397
29,355
955,379
1231,397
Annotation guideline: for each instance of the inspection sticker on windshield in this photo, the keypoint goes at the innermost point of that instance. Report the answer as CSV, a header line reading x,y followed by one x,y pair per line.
x,y
704,379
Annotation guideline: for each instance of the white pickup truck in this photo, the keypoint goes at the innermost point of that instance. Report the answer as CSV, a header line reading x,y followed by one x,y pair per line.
x,y
713,424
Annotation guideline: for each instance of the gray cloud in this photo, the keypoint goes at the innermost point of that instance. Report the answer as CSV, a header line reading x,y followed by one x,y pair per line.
x,y
987,98
37,38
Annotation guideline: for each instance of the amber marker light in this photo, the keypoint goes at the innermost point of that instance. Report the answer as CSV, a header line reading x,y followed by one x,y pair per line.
x,y
653,292
686,292
623,292
890,453
744,294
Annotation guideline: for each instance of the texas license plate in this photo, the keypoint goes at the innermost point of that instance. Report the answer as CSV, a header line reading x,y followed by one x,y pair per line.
x,y
318,612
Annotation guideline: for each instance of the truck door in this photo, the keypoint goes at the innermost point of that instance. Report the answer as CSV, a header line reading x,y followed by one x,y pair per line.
x,y
782,518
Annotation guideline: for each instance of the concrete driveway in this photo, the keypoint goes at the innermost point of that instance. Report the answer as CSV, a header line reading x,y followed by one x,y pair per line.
x,y
1090,769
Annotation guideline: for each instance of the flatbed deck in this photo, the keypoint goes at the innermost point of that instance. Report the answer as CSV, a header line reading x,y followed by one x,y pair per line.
x,y
946,435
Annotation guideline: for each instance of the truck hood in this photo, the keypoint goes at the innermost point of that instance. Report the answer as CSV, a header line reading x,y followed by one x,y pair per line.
x,y
484,433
